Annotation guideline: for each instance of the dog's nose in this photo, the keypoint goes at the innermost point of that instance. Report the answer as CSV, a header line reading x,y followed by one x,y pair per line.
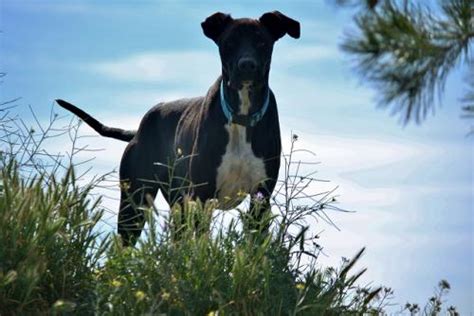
x,y
247,64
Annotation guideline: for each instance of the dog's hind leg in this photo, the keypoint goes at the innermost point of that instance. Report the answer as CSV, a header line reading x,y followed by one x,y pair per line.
x,y
131,217
134,191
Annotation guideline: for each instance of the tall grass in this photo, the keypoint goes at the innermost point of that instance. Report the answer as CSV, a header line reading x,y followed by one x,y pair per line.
x,y
55,260
48,248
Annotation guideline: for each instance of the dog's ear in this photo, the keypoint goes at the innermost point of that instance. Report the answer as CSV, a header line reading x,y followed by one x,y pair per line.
x,y
215,24
279,24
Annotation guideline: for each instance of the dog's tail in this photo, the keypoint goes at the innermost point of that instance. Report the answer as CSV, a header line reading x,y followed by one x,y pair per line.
x,y
117,133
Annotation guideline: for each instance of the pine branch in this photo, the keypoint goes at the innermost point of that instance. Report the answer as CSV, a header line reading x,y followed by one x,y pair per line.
x,y
407,52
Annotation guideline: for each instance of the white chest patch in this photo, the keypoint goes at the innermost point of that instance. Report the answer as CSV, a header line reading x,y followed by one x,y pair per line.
x,y
241,171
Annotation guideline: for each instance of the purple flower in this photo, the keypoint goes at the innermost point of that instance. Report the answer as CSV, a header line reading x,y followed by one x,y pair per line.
x,y
258,196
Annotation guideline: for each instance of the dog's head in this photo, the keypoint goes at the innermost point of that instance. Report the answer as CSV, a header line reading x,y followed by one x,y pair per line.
x,y
246,45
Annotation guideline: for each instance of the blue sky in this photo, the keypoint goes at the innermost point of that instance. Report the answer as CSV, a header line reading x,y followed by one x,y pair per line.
x,y
411,187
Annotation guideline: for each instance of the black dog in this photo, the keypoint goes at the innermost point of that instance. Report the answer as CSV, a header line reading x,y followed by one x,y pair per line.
x,y
220,145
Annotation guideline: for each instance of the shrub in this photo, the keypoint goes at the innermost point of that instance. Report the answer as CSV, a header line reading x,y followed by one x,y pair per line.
x,y
54,259
48,245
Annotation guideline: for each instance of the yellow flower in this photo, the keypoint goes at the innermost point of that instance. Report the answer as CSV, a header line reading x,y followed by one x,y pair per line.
x,y
173,279
140,295
241,194
192,205
97,273
213,313
124,185
165,296
116,283
300,286
211,204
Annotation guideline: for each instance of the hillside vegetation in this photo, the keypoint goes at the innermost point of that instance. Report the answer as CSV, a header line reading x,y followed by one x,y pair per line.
x,y
56,258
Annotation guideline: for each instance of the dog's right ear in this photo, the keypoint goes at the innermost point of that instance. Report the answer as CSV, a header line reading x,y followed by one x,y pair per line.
x,y
279,24
215,24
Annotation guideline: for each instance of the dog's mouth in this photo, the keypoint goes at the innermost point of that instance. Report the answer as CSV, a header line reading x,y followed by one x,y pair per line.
x,y
236,79
250,83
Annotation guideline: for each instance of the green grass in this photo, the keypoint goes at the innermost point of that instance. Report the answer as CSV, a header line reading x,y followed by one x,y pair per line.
x,y
48,248
54,258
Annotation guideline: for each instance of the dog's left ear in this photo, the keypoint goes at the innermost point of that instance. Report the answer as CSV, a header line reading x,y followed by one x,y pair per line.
x,y
215,24
279,24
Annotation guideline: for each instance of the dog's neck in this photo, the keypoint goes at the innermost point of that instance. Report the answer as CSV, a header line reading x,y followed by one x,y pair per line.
x,y
246,100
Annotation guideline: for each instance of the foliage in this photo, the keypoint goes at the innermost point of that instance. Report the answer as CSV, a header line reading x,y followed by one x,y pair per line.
x,y
48,246
407,50
54,259
434,304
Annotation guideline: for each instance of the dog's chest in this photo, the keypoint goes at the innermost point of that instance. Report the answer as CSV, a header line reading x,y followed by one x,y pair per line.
x,y
240,171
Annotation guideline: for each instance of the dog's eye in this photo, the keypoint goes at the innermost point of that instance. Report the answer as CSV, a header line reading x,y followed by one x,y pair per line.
x,y
261,44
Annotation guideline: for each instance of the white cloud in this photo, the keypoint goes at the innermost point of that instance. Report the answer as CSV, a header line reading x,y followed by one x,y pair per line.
x,y
191,66
288,54
146,98
170,66
345,154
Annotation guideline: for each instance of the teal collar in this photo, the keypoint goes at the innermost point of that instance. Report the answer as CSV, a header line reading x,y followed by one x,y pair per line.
x,y
244,120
